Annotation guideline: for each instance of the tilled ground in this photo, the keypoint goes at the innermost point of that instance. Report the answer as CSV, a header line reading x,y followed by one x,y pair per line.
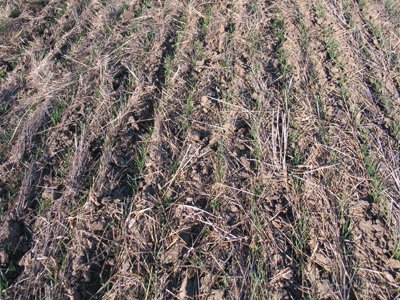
x,y
199,149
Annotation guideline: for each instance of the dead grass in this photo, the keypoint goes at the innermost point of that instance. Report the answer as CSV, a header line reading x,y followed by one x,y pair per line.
x,y
199,150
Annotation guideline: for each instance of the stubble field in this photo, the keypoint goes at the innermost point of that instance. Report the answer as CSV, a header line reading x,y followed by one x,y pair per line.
x,y
195,149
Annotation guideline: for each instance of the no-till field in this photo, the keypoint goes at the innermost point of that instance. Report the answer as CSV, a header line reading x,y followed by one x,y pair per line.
x,y
166,149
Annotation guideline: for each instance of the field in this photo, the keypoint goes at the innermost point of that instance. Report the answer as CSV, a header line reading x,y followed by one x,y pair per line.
x,y
166,149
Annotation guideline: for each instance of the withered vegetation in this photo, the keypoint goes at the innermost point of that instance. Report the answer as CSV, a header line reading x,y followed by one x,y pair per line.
x,y
166,149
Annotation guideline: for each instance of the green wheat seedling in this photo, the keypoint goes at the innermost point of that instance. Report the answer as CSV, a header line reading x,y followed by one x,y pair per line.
x,y
376,86
2,25
206,20
56,112
258,277
396,251
254,42
10,191
4,107
120,11
198,52
138,12
4,281
230,29
5,138
140,158
42,206
215,204
3,74
344,91
182,22
220,164
168,68
376,33
16,12
362,4
279,32
256,149
254,6
293,140
301,233
304,38
371,167
141,8
148,41
318,11
345,220
319,106
395,128
393,9
257,191
331,46
187,110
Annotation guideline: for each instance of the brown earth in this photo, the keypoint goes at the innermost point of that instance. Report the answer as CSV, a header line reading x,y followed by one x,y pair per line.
x,y
199,149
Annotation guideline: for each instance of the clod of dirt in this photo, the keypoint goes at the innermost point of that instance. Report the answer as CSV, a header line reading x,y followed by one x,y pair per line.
x,y
229,128
324,289
119,160
206,102
217,295
195,136
14,232
234,209
334,72
393,263
49,194
14,243
389,277
214,139
323,261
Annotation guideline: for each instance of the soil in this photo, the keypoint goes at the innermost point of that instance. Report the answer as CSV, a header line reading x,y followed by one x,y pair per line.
x,y
199,149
